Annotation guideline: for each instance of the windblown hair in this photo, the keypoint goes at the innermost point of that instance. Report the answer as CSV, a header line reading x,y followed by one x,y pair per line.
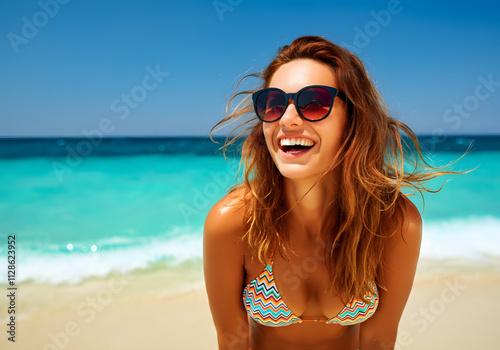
x,y
371,163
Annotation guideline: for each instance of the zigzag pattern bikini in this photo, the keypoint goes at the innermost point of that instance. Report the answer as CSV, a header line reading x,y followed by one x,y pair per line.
x,y
264,304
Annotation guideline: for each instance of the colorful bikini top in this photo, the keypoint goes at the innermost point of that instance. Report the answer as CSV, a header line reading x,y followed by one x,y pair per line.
x,y
264,304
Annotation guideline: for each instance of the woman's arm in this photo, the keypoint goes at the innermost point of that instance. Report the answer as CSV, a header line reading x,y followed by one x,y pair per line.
x,y
223,260
399,265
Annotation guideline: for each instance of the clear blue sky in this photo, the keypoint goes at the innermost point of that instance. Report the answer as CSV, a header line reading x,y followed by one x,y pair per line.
x,y
65,69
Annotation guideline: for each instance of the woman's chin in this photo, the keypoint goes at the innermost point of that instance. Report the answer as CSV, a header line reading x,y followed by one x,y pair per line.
x,y
298,172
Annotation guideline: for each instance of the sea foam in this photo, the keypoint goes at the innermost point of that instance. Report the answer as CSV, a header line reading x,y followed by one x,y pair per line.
x,y
474,239
60,265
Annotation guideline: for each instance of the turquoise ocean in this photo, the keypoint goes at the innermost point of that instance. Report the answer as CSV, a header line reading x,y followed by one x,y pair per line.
x,y
86,208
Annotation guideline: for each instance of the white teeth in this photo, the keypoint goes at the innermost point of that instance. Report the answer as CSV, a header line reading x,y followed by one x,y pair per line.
x,y
295,142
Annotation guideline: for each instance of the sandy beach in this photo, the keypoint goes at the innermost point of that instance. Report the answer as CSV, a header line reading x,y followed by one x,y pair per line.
x,y
449,308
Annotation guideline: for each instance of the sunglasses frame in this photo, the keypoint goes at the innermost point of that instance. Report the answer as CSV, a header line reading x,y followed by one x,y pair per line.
x,y
294,96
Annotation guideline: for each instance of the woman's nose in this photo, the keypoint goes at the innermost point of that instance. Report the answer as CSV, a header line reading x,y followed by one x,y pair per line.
x,y
291,117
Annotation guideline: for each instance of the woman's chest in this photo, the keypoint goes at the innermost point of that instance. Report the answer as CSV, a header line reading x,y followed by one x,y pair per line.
x,y
300,283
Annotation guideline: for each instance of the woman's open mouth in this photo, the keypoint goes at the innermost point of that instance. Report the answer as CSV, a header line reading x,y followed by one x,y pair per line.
x,y
292,147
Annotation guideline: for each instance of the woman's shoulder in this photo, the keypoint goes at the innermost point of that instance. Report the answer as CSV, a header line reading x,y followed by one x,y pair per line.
x,y
227,216
409,222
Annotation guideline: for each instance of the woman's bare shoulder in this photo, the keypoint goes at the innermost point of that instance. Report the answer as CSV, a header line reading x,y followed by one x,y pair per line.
x,y
409,220
227,216
406,228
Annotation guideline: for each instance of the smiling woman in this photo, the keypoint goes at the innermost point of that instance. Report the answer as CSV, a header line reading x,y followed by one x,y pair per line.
x,y
324,134
318,247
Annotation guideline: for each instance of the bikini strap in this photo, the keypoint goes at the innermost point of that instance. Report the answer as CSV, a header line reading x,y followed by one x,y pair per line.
x,y
270,260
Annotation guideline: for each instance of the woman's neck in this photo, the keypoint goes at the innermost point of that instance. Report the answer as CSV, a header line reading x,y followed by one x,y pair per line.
x,y
311,204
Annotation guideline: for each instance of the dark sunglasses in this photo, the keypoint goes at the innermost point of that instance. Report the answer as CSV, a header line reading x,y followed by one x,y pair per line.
x,y
313,103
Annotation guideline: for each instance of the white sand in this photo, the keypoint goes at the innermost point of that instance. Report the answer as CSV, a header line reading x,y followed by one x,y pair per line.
x,y
446,311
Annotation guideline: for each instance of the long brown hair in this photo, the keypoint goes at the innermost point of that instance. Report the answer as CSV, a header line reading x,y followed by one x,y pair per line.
x,y
372,161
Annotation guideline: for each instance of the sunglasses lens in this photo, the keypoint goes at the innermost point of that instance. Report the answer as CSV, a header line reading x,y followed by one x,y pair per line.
x,y
315,103
270,105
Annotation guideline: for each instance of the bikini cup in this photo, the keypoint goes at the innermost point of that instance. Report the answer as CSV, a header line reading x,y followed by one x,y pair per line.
x,y
265,305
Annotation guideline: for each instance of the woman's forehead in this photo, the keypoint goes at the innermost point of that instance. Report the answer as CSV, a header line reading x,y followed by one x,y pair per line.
x,y
294,75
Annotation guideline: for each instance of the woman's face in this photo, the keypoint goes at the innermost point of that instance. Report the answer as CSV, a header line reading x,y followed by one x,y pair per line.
x,y
325,135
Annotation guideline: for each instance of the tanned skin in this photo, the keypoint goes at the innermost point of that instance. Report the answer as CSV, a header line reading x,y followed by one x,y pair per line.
x,y
302,280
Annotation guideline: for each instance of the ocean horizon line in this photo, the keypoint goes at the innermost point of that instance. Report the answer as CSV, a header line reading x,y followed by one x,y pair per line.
x,y
51,137
81,147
